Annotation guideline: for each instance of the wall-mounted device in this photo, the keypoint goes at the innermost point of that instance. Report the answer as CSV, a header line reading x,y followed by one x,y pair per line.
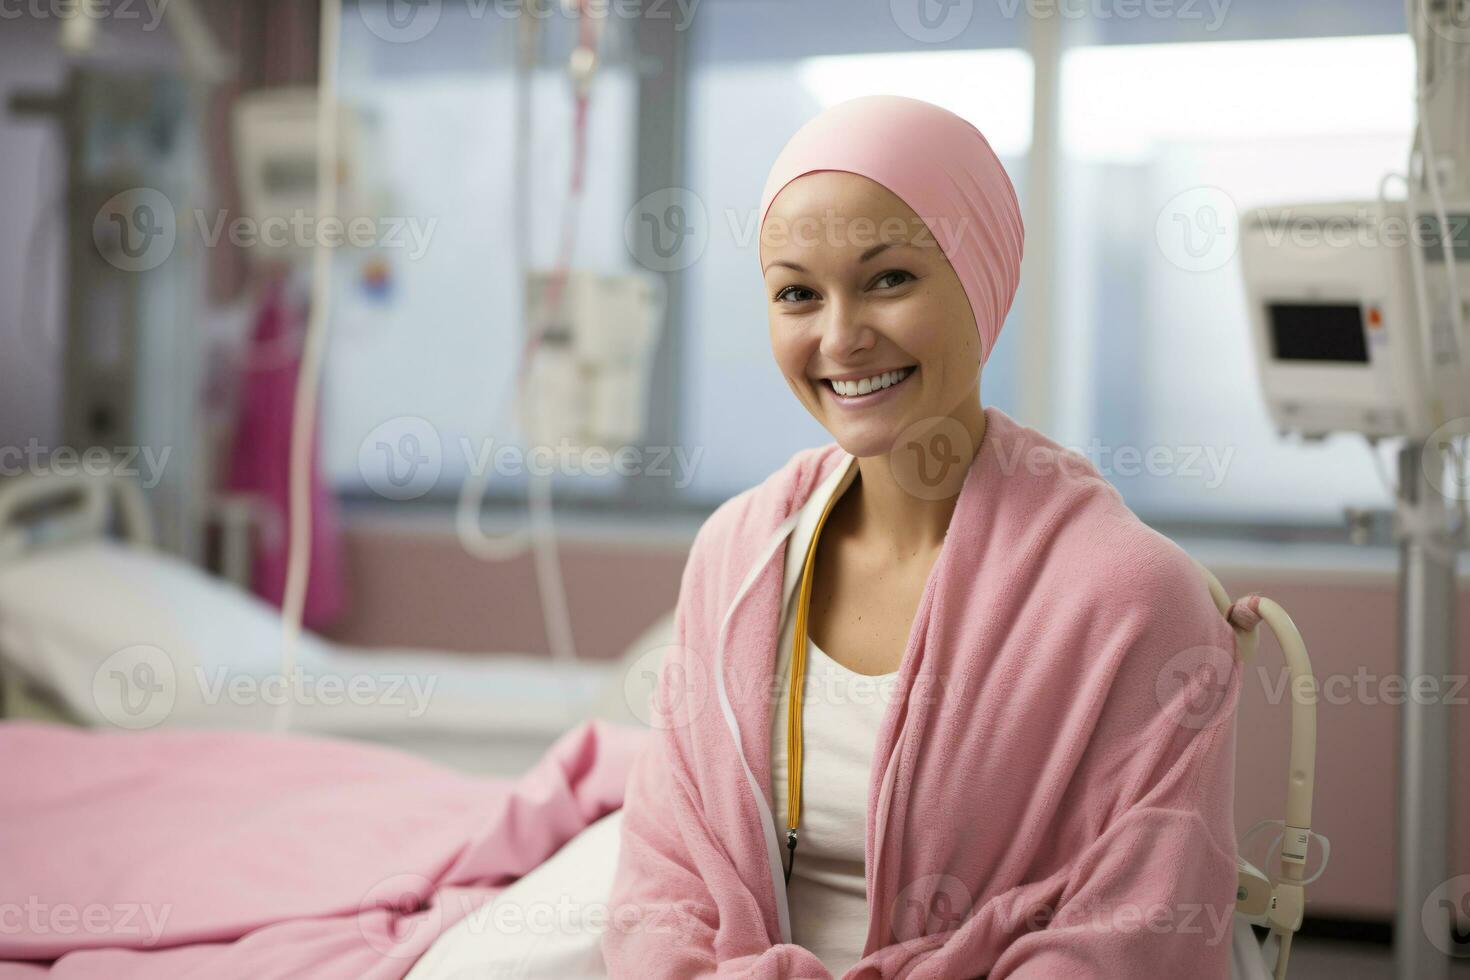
x,y
1334,323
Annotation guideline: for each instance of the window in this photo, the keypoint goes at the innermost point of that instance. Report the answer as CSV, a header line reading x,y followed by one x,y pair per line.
x,y
1150,358
1158,356
442,344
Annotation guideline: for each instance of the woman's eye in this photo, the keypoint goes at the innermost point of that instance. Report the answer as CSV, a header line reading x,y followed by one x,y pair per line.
x,y
892,277
787,295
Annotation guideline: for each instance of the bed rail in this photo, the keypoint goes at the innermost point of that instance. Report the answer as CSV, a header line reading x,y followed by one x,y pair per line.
x,y
41,510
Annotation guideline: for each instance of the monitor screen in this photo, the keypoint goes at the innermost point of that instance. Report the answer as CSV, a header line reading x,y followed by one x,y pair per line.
x,y
1317,332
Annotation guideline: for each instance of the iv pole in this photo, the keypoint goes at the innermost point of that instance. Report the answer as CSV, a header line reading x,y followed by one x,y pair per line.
x,y
1427,609
1428,551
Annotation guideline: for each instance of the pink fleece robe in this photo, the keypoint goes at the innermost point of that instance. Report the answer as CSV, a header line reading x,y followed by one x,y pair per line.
x,y
1051,789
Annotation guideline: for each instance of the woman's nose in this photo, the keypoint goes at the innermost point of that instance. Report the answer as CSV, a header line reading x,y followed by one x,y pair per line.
x,y
844,329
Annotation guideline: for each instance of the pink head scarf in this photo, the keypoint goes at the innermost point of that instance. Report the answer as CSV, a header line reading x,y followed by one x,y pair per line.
x,y
940,166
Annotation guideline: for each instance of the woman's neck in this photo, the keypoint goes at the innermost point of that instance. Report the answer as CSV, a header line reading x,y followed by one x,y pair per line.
x,y
906,514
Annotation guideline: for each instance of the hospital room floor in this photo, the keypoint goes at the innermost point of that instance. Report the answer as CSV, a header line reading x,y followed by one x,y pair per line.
x,y
1326,959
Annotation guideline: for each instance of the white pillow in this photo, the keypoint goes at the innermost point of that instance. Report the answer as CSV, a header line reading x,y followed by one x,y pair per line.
x,y
120,635
133,638
547,925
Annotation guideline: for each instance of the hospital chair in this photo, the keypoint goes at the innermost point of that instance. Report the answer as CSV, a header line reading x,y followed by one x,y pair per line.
x,y
1276,903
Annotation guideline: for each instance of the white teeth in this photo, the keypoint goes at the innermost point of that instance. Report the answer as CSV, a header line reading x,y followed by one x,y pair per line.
x,y
869,385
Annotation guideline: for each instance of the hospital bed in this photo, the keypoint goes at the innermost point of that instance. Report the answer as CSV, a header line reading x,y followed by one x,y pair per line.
x,y
74,602
97,628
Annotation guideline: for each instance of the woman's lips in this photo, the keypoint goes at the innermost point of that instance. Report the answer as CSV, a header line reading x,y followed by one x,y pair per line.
x,y
854,402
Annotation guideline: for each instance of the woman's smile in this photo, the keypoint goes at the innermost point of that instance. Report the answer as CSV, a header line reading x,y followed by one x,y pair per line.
x,y
854,393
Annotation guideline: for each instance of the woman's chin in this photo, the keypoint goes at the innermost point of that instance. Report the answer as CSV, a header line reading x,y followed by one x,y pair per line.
x,y
865,439
869,424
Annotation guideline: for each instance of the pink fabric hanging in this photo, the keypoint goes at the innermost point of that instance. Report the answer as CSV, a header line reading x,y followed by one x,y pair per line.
x,y
260,461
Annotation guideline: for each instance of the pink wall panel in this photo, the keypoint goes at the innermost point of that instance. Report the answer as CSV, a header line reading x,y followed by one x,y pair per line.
x,y
1350,624
424,590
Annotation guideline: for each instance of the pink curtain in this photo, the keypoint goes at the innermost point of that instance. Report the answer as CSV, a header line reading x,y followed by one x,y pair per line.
x,y
260,459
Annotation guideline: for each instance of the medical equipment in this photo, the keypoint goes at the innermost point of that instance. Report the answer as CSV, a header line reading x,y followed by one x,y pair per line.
x,y
588,381
128,189
275,133
1360,323
203,61
129,357
308,379
1358,309
1333,325
588,342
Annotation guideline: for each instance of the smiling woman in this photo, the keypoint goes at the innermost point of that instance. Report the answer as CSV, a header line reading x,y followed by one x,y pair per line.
x,y
978,602
868,336
893,270
875,332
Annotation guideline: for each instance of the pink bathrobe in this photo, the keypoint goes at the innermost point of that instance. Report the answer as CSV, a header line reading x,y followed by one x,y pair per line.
x,y
1051,790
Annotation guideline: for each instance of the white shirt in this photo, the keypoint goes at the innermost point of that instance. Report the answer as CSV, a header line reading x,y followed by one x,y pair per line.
x,y
841,714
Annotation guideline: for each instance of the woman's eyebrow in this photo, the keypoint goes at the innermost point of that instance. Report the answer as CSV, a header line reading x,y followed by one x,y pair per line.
x,y
789,265
876,249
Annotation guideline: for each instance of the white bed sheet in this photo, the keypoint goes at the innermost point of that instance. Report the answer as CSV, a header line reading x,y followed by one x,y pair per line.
x,y
123,637
547,925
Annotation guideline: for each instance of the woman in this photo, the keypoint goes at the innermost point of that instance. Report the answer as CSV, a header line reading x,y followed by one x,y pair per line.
x,y
1041,783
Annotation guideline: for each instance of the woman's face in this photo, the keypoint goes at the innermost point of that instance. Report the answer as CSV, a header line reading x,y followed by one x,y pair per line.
x,y
857,287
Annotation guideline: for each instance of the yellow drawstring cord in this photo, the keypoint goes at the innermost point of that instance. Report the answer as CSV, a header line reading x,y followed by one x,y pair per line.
x,y
793,700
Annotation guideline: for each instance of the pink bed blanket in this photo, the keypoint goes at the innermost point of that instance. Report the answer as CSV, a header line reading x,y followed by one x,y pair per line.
x,y
222,855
